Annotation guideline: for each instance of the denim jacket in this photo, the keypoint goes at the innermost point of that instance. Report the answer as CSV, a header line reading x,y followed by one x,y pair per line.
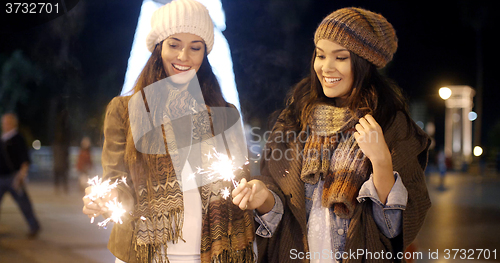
x,y
387,217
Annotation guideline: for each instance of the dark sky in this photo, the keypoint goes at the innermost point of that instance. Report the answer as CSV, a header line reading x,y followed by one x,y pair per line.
x,y
271,42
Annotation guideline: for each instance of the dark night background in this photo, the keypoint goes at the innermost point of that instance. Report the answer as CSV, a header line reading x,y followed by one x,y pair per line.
x,y
73,66
59,76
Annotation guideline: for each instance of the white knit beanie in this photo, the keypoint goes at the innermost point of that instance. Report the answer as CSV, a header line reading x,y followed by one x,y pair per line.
x,y
181,16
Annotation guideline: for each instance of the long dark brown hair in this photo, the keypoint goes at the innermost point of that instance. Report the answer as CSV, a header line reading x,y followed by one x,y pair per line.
x,y
371,93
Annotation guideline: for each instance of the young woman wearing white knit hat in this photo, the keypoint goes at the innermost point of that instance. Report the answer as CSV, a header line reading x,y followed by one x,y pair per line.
x,y
168,223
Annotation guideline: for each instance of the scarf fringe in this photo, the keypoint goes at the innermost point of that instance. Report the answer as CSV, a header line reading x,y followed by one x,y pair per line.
x,y
227,256
173,221
146,253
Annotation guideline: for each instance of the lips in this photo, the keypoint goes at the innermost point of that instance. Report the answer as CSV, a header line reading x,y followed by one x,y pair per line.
x,y
331,80
180,67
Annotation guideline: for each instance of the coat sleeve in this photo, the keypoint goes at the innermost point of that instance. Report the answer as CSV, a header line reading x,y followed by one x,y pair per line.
x,y
281,175
265,245
115,141
409,147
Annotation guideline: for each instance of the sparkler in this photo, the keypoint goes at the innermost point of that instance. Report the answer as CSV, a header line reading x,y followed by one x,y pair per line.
x,y
101,189
225,193
117,211
222,168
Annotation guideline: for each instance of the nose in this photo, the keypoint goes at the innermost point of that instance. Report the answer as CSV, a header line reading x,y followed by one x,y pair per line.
x,y
329,66
182,55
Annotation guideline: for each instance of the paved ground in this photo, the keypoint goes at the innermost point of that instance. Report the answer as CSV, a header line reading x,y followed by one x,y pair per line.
x,y
66,236
465,215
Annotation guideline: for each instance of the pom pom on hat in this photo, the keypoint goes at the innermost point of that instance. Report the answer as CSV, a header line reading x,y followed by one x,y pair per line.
x,y
367,34
181,16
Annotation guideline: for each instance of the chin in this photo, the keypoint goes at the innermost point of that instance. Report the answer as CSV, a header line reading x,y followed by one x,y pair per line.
x,y
330,95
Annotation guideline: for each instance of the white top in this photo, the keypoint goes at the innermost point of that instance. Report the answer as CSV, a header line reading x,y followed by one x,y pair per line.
x,y
191,229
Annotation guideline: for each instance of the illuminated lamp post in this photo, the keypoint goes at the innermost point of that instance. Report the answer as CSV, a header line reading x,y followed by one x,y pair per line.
x,y
458,127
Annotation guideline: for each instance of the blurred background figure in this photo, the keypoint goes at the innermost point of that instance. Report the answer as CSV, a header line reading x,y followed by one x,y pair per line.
x,y
442,166
14,165
60,150
84,163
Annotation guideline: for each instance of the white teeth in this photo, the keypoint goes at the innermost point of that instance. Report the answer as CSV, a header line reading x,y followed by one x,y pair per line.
x,y
331,80
181,68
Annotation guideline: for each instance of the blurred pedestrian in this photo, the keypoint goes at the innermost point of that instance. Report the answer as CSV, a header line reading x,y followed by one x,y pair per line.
x,y
14,166
84,163
168,223
60,150
443,167
343,169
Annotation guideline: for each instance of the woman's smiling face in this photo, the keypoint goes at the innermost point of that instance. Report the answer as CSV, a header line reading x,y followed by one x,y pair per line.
x,y
182,52
333,68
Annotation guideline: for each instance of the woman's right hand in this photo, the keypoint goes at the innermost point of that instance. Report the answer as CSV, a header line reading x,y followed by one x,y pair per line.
x,y
97,207
253,195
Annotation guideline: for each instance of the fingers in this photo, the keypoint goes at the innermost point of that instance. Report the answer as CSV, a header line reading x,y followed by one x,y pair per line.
x,y
244,202
241,199
366,126
364,123
93,208
91,211
369,118
252,193
241,187
368,122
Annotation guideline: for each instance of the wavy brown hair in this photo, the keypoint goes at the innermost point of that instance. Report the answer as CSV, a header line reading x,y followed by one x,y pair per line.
x,y
371,93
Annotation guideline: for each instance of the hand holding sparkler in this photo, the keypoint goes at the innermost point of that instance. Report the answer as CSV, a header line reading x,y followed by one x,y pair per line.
x,y
102,198
94,207
253,195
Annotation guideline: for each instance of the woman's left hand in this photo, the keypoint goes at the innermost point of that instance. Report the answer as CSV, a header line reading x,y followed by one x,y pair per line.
x,y
371,140
253,195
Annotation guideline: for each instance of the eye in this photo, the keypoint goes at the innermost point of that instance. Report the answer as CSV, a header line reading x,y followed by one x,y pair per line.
x,y
172,45
195,48
342,58
320,56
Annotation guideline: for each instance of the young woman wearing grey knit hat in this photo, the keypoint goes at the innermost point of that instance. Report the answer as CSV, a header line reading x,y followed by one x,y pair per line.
x,y
343,170
172,218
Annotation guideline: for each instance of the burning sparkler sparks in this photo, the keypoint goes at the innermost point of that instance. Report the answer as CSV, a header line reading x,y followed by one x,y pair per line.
x,y
117,211
225,193
101,189
222,168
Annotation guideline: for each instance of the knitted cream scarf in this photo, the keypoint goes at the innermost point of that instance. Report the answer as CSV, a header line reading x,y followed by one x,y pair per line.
x,y
332,153
227,231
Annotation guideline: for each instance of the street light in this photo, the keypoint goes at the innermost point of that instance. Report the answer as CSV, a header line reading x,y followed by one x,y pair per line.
x,y
458,124
472,116
478,151
445,93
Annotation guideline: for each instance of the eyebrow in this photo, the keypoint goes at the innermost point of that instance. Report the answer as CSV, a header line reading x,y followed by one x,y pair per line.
x,y
334,51
194,41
